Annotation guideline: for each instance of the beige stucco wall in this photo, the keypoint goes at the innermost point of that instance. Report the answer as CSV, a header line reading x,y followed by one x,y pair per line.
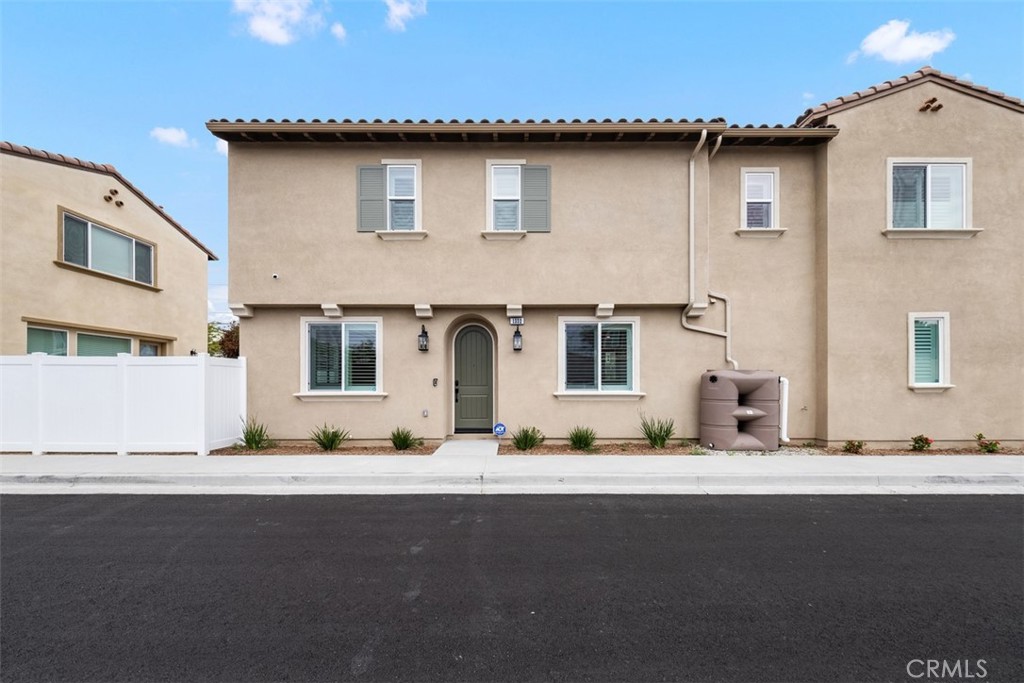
x,y
874,282
770,281
671,361
825,303
617,215
619,235
33,286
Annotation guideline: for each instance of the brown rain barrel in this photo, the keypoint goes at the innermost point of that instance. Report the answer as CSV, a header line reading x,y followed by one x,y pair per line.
x,y
739,410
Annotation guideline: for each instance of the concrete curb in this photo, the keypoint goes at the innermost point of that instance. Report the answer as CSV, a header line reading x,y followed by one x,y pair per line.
x,y
505,483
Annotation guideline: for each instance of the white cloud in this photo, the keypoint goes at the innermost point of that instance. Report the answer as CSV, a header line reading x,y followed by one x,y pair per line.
x,y
807,97
279,22
176,137
338,31
222,147
400,12
217,310
892,43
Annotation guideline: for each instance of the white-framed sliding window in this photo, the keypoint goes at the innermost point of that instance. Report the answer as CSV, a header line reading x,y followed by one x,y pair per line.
x,y
105,250
928,194
759,209
598,357
341,357
928,352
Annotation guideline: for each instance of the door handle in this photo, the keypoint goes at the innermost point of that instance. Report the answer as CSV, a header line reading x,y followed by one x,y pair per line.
x,y
456,391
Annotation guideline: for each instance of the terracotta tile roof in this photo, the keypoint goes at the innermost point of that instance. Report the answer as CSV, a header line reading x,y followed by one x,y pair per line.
x,y
460,122
107,169
926,73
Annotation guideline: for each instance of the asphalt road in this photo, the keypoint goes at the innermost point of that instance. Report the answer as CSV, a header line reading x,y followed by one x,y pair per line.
x,y
561,588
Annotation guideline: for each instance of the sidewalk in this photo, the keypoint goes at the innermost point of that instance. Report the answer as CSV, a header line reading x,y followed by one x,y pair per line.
x,y
473,467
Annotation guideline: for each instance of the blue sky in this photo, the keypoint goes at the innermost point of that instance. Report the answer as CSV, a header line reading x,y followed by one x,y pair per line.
x,y
133,83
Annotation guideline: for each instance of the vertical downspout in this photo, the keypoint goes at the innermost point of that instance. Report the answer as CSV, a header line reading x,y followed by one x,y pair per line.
x,y
692,246
691,298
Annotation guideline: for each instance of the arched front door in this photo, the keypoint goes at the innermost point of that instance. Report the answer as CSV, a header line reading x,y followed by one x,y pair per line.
x,y
474,380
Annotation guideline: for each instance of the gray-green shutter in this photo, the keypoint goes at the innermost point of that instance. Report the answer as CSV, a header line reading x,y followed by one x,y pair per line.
x,y
536,197
372,199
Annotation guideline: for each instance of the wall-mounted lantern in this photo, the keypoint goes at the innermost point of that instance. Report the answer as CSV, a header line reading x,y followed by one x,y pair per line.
x,y
423,338
517,340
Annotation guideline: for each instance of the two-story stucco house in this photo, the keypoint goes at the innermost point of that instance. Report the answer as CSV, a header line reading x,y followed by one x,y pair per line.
x,y
447,275
90,266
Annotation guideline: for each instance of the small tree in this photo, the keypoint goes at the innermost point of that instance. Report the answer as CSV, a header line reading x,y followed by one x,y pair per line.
x,y
213,336
229,342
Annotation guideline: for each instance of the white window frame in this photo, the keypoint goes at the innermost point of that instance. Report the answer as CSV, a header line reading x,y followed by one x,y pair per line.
x,y
491,164
775,201
89,227
945,381
416,165
633,394
306,394
966,162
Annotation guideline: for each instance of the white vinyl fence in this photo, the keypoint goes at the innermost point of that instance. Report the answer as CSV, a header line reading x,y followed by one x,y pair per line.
x,y
125,404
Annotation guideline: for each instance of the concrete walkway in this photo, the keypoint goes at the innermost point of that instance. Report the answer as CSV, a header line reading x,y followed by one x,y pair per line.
x,y
473,467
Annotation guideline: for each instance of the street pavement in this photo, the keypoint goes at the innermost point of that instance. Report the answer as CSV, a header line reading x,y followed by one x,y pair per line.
x,y
510,588
474,467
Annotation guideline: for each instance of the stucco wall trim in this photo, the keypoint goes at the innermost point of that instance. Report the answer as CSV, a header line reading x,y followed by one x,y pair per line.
x,y
761,233
401,235
931,233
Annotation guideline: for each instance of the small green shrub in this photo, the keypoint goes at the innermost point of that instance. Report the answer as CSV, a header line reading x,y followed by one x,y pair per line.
x,y
986,445
526,438
697,449
853,447
402,439
329,438
255,436
657,431
920,443
809,444
582,439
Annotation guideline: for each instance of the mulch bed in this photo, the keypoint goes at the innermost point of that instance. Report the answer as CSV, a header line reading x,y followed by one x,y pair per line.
x,y
623,448
313,449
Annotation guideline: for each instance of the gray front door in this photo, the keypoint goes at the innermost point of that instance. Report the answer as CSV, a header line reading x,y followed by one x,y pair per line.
x,y
474,395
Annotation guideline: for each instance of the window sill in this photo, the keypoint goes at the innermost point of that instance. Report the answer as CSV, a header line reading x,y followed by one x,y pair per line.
x,y
930,388
761,233
105,276
599,395
324,396
402,235
503,235
930,234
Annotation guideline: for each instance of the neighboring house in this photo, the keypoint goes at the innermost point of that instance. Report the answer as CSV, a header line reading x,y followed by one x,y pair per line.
x,y
90,266
871,253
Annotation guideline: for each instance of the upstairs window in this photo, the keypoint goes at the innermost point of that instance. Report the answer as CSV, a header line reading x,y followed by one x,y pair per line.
x,y
389,196
760,209
106,250
929,195
518,196
505,187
